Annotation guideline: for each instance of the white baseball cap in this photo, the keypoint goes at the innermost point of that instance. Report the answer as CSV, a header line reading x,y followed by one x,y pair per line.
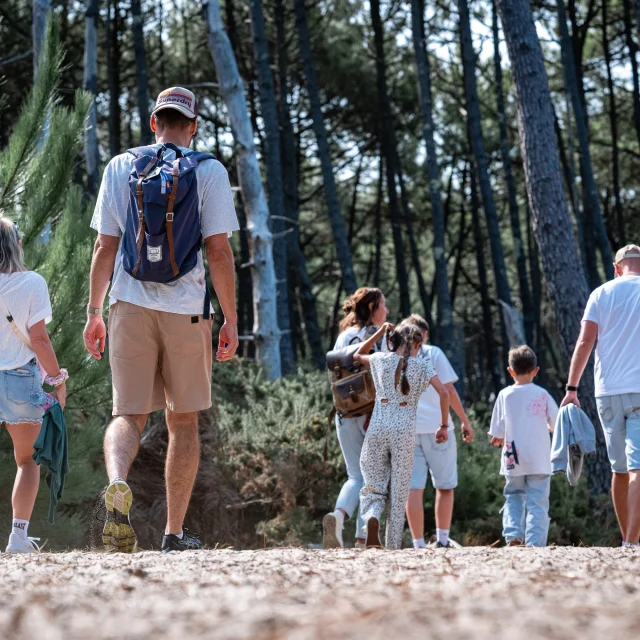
x,y
630,251
177,98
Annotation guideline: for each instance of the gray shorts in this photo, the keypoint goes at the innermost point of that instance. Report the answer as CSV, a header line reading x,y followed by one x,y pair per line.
x,y
620,419
439,459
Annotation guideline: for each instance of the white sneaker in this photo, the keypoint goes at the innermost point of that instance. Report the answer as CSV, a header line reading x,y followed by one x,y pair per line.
x,y
332,531
18,544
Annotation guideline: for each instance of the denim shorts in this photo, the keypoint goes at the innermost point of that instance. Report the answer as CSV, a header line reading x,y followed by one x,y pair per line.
x,y
21,396
438,459
620,418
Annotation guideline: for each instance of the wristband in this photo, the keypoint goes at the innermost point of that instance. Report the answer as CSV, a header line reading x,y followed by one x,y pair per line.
x,y
570,388
446,426
94,311
56,381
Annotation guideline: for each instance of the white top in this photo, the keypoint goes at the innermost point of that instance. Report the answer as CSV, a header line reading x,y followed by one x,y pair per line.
x,y
615,308
429,417
217,215
345,338
26,296
523,415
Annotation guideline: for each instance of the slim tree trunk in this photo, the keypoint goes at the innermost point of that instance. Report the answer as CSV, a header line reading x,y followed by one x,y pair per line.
x,y
561,265
266,332
514,214
160,34
113,72
296,256
633,51
142,82
479,154
378,223
445,327
245,286
273,161
592,201
536,287
613,125
389,147
90,84
331,191
40,14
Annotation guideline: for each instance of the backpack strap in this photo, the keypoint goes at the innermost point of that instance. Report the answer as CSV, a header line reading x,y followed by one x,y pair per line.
x,y
172,199
14,327
139,196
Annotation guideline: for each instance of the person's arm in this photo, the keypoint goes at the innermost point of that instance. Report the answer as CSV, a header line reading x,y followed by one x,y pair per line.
x,y
442,434
456,405
223,278
362,354
42,347
497,431
552,412
581,354
102,264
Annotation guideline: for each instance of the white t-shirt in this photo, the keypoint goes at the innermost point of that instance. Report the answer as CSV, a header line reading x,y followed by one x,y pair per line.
x,y
615,308
428,416
345,338
523,415
26,296
217,215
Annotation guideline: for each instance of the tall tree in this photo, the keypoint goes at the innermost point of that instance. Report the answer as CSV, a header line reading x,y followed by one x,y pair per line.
x,y
480,155
593,212
514,213
349,282
273,161
142,80
566,283
90,85
40,13
265,330
113,74
389,148
297,261
633,53
445,328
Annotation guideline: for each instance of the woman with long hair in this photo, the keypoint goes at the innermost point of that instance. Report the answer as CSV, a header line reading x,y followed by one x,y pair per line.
x,y
365,311
25,350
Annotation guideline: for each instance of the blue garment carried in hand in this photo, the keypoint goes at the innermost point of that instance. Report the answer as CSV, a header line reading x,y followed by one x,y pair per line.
x,y
573,437
51,451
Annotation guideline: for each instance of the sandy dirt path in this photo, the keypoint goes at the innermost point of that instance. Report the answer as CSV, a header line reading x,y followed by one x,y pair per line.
x,y
292,593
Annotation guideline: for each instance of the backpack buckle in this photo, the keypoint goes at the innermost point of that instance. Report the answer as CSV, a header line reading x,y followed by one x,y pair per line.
x,y
169,217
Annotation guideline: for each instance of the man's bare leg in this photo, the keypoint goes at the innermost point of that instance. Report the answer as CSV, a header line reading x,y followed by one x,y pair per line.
x,y
633,506
444,508
183,457
121,444
620,496
415,513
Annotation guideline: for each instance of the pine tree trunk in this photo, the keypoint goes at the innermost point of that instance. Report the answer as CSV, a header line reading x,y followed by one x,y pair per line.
x,y
613,125
514,213
40,14
536,287
296,256
561,265
479,154
90,84
160,33
142,81
273,162
266,332
445,328
331,191
113,73
245,286
633,50
389,148
378,223
592,200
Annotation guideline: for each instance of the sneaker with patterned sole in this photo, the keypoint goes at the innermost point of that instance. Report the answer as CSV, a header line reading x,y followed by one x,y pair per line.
x,y
118,534
18,544
188,542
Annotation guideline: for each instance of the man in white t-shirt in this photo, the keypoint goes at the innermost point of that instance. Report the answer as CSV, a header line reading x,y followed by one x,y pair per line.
x,y
160,346
436,450
612,316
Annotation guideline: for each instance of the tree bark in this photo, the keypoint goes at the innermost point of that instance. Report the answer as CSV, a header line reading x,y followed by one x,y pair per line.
x,y
142,81
514,213
633,51
613,126
265,330
90,84
566,283
113,73
296,256
273,162
536,287
445,328
378,223
592,200
40,14
331,191
389,148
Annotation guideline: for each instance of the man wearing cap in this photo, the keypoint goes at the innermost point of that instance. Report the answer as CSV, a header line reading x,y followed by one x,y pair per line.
x,y
612,316
160,333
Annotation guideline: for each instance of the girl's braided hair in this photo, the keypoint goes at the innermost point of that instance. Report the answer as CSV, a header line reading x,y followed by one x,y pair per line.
x,y
400,341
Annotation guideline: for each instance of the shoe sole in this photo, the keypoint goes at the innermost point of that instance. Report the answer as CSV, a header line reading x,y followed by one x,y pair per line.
x,y
118,535
373,534
329,528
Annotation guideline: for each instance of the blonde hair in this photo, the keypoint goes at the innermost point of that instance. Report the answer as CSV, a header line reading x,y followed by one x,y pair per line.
x,y
11,255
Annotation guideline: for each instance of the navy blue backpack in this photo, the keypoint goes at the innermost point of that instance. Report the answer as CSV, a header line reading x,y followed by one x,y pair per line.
x,y
162,236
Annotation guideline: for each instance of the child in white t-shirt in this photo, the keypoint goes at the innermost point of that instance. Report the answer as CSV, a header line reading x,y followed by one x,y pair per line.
x,y
523,416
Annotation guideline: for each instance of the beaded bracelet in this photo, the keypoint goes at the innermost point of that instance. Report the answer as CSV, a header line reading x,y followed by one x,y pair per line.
x,y
57,380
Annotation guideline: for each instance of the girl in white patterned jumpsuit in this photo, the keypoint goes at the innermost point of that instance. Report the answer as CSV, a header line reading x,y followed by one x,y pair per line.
x,y
387,455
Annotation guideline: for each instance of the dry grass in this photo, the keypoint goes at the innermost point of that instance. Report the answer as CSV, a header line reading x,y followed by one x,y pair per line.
x,y
471,593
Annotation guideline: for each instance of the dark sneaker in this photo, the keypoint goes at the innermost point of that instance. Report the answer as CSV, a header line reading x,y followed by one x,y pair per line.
x,y
118,534
188,542
373,534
